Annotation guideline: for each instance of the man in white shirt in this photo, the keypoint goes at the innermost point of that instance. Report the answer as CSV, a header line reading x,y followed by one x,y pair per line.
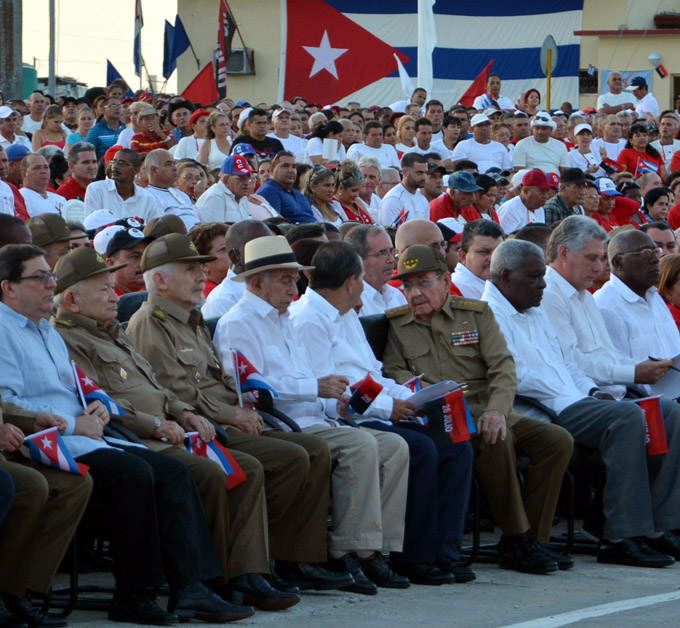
x,y
404,201
423,128
480,239
418,98
611,140
434,112
120,194
162,172
493,96
36,107
667,145
541,150
375,248
9,120
646,105
439,478
481,149
371,169
527,207
35,173
615,99
640,507
281,119
227,200
228,293
373,147
369,479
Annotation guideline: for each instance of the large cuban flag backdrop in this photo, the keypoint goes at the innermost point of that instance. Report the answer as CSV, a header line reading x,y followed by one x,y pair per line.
x,y
342,50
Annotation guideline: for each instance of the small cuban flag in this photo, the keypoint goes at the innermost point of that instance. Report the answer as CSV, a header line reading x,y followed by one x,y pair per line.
x,y
449,419
591,69
214,451
364,393
645,167
401,218
656,429
48,448
250,381
88,391
414,384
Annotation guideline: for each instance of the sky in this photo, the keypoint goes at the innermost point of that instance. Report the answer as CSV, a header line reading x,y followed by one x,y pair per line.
x,y
90,31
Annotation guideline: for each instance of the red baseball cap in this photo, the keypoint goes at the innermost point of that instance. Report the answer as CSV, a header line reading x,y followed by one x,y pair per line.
x,y
199,113
536,178
236,164
554,179
111,152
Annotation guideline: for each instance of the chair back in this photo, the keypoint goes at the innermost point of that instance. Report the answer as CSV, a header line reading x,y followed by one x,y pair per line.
x,y
376,327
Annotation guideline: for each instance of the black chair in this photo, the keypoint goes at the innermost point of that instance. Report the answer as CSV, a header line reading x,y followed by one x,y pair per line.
x,y
129,304
211,324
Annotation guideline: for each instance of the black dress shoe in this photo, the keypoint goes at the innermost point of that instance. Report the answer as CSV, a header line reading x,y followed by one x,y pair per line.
x,y
668,543
139,608
377,570
423,573
7,620
22,609
307,576
460,572
525,556
278,582
564,561
259,593
196,601
633,553
350,563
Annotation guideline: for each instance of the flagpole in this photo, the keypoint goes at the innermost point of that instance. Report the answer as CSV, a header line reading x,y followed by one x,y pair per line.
x,y
237,377
284,43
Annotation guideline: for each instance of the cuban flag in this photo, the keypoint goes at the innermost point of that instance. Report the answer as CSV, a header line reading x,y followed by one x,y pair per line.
x,y
326,40
137,46
645,166
364,393
88,391
656,429
48,448
414,384
215,452
449,419
591,69
401,218
250,381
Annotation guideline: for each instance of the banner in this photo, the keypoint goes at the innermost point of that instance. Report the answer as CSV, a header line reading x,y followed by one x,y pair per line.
x,y
449,419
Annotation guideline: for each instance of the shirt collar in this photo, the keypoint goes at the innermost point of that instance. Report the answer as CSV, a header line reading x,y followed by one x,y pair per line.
x,y
562,285
261,307
463,270
324,306
19,319
173,309
89,324
628,294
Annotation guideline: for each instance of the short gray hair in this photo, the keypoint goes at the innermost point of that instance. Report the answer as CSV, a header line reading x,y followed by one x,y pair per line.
x,y
385,172
510,254
76,149
574,232
77,287
370,162
359,237
165,269
152,159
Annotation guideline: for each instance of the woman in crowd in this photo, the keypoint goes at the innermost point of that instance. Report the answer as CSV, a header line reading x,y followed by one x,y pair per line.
x,y
210,239
406,133
669,284
485,200
188,147
529,102
85,121
581,156
332,130
591,202
319,190
216,149
638,156
501,133
389,134
348,186
657,204
51,133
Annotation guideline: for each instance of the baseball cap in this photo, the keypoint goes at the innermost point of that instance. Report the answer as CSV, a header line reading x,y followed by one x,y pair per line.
x,y
243,116
452,230
479,118
147,111
554,179
635,83
98,219
130,221
435,168
5,112
243,148
242,103
174,247
463,181
48,229
79,264
420,258
199,113
606,186
536,178
518,176
124,238
101,241
15,152
491,111
278,112
543,119
582,127
236,164
573,175
167,223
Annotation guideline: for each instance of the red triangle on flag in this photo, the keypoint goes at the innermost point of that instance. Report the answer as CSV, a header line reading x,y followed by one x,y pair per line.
x,y
477,88
328,56
203,88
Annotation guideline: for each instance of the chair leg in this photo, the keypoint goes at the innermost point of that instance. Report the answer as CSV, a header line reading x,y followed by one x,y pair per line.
x,y
475,523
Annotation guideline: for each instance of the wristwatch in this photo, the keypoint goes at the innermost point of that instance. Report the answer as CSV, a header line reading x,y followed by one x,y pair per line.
x,y
157,422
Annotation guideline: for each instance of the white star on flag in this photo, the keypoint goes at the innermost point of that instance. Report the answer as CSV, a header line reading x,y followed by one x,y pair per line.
x,y
242,368
325,56
47,443
86,381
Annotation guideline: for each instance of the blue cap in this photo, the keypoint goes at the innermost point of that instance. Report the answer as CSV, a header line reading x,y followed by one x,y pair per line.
x,y
463,181
635,83
236,164
244,149
242,103
15,152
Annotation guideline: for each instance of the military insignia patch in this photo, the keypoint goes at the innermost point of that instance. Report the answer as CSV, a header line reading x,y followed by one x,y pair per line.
x,y
100,259
410,264
465,337
192,246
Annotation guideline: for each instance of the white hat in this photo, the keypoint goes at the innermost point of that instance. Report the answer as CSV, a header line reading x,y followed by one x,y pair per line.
x,y
102,239
99,219
543,119
582,127
73,210
479,118
244,116
518,176
268,253
6,112
278,112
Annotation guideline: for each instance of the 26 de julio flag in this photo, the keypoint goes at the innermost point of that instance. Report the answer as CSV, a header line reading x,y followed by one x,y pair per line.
x,y
250,381
88,391
214,451
656,430
48,448
449,419
364,393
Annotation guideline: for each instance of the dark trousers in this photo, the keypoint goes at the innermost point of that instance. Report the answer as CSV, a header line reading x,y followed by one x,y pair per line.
x,y
6,493
154,519
438,494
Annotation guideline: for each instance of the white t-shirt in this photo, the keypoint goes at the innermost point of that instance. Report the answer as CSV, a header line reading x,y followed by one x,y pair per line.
x,y
29,125
187,147
399,199
491,155
315,149
125,137
549,156
422,151
483,101
579,160
292,143
513,215
614,100
647,106
613,148
386,154
666,151
36,204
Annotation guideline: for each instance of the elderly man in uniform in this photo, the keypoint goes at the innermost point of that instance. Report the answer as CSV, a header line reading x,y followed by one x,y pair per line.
x,y
369,478
641,497
445,337
86,320
169,331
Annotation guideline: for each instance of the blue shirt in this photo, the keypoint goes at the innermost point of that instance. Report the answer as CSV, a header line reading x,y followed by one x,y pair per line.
x,y
37,374
293,205
103,137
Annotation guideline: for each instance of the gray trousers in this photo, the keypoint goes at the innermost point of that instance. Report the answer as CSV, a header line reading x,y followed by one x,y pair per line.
x,y
642,493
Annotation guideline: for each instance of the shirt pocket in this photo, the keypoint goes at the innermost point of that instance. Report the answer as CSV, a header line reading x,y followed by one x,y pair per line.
x,y
116,376
193,364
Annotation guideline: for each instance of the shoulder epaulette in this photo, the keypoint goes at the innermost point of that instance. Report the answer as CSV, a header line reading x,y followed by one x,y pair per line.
x,y
159,312
65,322
461,303
397,311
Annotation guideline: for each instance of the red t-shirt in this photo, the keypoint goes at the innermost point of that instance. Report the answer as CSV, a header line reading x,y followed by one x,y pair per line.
x,y
675,312
472,213
209,287
358,215
442,207
633,160
72,189
142,143
19,203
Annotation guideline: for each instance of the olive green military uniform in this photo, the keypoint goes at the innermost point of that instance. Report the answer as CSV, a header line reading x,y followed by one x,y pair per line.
x,y
463,342
238,524
44,515
297,466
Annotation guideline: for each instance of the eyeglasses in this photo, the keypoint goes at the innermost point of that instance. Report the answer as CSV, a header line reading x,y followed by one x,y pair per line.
x,y
384,255
649,252
120,162
114,106
42,278
423,284
357,176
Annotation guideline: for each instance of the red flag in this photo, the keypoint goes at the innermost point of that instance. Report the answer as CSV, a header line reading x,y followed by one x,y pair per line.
x,y
656,430
364,393
449,419
225,33
477,88
326,53
202,89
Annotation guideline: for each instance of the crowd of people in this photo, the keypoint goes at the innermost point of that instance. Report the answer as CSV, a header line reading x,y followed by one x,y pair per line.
x,y
511,250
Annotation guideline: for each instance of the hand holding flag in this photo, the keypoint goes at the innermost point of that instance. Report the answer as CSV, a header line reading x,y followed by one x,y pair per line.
x,y
250,381
364,393
88,391
215,452
48,448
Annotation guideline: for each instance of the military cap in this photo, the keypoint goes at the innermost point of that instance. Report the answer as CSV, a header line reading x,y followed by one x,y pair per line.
x,y
174,247
48,229
420,258
79,264
168,223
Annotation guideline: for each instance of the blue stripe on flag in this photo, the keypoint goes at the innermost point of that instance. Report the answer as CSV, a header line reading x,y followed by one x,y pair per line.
x,y
490,7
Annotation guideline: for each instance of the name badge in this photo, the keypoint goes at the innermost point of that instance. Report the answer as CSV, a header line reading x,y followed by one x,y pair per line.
x,y
467,337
